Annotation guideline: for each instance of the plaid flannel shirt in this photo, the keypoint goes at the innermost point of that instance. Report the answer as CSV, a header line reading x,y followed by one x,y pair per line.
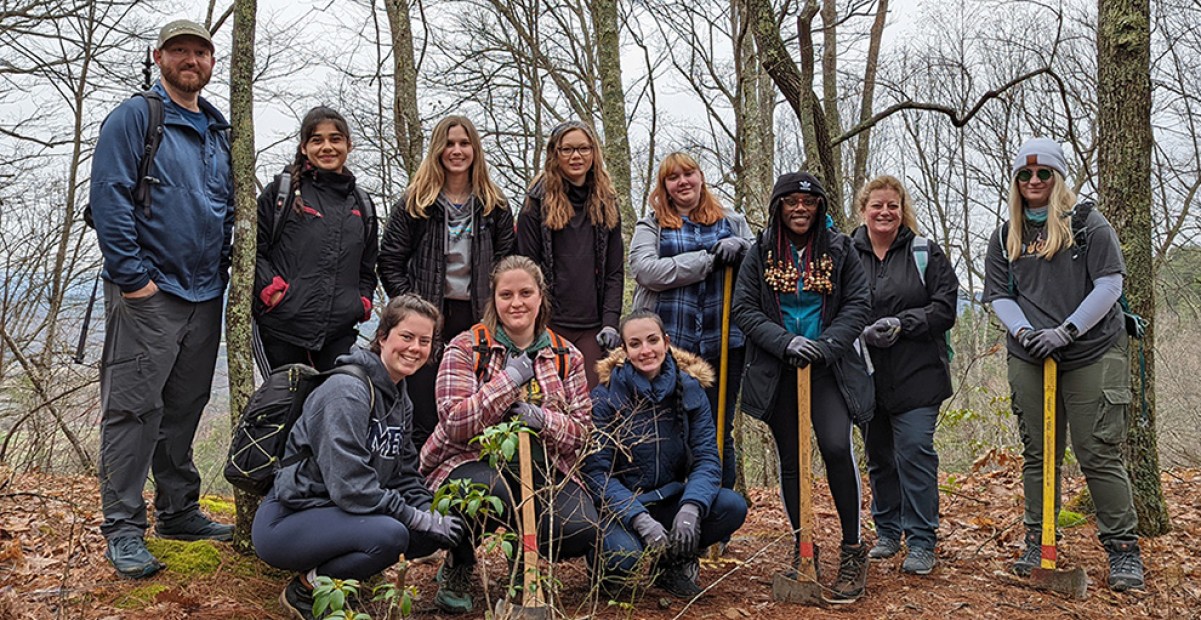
x,y
466,406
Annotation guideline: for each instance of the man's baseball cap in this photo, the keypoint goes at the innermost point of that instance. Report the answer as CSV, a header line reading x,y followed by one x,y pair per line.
x,y
181,27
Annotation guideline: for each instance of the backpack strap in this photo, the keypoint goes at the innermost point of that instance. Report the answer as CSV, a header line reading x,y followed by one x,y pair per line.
x,y
482,348
920,249
559,346
283,202
154,137
354,370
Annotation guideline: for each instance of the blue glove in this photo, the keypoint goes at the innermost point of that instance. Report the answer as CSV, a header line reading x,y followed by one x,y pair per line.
x,y
802,351
520,368
883,333
1043,342
608,338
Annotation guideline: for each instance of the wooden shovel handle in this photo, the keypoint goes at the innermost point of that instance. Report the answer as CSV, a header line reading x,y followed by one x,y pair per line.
x,y
805,473
531,594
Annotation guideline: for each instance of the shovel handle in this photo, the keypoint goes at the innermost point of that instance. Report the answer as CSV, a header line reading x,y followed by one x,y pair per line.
x,y
531,595
1050,476
722,387
805,473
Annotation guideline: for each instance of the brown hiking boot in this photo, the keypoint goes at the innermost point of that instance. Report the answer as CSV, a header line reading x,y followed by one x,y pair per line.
x,y
852,574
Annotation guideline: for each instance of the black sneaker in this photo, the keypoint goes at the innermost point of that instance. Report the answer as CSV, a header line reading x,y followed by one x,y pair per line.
x,y
297,598
454,587
852,574
1125,566
679,578
884,548
131,558
1031,557
194,526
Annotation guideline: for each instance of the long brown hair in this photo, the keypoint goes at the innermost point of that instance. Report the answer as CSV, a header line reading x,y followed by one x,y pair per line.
x,y
707,212
427,182
517,262
602,199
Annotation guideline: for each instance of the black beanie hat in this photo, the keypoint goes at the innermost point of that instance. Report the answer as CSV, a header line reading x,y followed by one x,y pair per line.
x,y
796,182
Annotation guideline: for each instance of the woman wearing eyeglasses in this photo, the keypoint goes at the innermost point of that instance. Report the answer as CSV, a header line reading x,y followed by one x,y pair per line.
x,y
802,299
571,228
1054,275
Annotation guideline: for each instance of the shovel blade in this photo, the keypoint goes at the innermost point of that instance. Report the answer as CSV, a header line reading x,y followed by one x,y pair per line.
x,y
786,589
505,610
1073,583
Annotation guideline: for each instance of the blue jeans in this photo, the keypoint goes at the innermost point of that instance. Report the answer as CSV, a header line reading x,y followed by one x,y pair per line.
x,y
903,468
621,548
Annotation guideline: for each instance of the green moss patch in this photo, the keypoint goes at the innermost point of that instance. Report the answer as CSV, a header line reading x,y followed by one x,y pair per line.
x,y
1067,518
141,597
188,559
217,505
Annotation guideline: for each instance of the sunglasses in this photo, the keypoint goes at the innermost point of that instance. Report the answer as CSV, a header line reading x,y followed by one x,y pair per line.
x,y
1025,174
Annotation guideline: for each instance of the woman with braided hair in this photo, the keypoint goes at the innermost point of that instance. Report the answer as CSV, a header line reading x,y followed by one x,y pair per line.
x,y
314,277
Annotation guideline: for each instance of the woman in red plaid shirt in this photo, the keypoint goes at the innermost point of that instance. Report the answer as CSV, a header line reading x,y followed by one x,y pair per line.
x,y
524,372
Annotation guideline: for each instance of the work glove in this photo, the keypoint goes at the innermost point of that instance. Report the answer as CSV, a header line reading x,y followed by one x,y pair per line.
x,y
726,251
883,333
520,368
654,536
686,531
530,415
803,351
444,529
608,338
1043,342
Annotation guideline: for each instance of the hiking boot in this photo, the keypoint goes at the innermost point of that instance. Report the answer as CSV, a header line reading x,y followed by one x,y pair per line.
x,y
131,558
919,561
679,578
884,548
297,599
194,526
454,587
1125,566
852,574
1030,558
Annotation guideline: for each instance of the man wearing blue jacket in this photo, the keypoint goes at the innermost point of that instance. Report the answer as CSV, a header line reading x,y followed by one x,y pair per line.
x,y
165,269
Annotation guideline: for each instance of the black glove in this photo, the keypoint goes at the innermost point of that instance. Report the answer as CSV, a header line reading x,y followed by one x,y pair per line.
x,y
686,531
531,415
654,536
520,368
883,333
608,338
1042,343
803,351
726,251
444,529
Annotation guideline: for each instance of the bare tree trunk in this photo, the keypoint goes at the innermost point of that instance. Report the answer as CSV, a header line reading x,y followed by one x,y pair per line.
x,y
613,110
829,15
237,315
407,118
863,142
1124,171
754,116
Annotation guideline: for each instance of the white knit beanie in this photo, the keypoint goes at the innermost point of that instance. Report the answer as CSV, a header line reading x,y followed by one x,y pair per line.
x,y
1040,152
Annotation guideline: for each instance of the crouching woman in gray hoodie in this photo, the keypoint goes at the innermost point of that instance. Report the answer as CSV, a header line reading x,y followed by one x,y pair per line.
x,y
357,502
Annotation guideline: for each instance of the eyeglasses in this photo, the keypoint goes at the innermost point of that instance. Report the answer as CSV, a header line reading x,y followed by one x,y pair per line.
x,y
805,200
1025,174
568,151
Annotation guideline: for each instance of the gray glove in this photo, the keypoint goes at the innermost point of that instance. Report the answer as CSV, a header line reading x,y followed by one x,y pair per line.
x,y
1042,343
520,368
883,333
803,351
726,251
686,531
654,536
608,338
531,415
444,529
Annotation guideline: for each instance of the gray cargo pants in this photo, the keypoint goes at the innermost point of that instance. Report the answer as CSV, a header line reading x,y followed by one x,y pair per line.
x,y
1091,403
155,377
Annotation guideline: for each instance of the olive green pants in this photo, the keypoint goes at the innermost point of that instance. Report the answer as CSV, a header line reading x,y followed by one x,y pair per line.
x,y
1091,403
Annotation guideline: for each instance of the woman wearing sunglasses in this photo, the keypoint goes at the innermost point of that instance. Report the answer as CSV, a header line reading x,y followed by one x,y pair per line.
x,y
1054,274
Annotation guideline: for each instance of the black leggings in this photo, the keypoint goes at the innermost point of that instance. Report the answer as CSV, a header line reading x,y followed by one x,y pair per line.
x,y
832,429
569,531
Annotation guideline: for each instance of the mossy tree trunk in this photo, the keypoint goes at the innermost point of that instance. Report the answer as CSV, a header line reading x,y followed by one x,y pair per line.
x,y
405,115
237,312
1124,170
613,111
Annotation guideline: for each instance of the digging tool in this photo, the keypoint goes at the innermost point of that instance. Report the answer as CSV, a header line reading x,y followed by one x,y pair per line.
x,y
722,384
1073,583
804,588
533,606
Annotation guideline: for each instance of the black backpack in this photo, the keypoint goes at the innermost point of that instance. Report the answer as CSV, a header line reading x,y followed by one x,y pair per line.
x,y
283,204
256,450
153,137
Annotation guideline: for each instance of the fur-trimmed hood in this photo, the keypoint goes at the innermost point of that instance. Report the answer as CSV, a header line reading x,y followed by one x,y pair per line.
x,y
690,363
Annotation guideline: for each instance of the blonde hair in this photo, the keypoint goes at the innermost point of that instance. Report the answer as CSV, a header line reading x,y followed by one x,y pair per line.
x,y
707,212
1059,221
602,198
517,262
427,182
887,181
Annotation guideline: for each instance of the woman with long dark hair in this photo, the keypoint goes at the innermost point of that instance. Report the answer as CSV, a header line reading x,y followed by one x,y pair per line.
x,y
571,228
317,245
443,237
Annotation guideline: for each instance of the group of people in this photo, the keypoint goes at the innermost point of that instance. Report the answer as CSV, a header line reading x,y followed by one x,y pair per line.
x,y
623,410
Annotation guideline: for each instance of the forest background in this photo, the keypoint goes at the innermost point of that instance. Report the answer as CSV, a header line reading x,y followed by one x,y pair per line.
x,y
940,94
